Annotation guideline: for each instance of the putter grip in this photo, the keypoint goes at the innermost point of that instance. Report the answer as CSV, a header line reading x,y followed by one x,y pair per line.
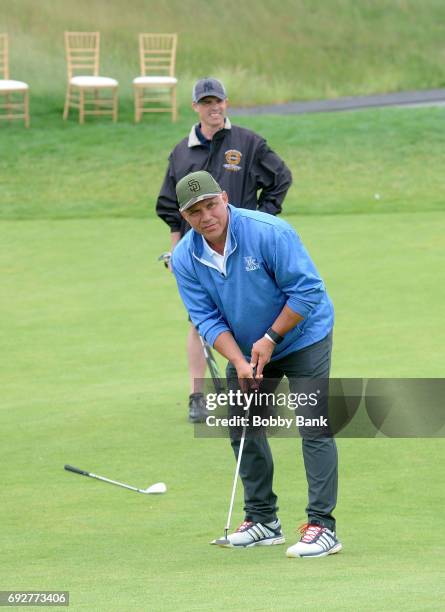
x,y
71,468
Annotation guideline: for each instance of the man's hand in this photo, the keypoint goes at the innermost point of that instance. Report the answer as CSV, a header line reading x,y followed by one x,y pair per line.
x,y
226,345
261,353
246,376
166,258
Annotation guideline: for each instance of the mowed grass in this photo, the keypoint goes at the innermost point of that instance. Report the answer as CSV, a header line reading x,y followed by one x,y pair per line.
x,y
94,374
265,52
381,160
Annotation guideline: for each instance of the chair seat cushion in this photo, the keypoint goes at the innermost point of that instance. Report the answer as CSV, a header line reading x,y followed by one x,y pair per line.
x,y
93,81
155,80
7,85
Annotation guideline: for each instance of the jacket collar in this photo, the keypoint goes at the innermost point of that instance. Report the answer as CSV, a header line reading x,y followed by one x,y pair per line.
x,y
194,141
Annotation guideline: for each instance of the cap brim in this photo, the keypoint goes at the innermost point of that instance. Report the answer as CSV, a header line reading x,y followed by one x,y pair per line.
x,y
210,94
193,201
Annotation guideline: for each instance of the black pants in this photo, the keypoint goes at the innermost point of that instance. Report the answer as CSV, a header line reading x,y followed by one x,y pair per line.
x,y
319,452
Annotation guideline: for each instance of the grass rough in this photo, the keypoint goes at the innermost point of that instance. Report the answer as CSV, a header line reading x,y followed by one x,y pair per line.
x,y
380,161
295,50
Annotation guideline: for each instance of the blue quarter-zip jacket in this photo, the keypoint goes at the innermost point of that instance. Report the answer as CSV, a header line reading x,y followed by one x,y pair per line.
x,y
267,267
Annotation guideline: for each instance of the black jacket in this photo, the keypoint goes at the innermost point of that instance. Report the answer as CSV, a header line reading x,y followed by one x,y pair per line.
x,y
241,162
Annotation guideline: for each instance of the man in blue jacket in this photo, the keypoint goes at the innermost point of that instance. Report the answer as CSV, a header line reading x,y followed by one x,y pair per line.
x,y
245,166
254,294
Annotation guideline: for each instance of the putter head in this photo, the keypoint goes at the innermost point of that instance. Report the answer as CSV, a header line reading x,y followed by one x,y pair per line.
x,y
155,489
224,542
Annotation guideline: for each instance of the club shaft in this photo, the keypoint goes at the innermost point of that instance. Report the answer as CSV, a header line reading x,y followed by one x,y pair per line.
x,y
113,482
235,480
212,365
204,348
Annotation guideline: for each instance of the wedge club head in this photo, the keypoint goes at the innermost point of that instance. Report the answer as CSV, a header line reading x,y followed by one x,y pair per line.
x,y
155,489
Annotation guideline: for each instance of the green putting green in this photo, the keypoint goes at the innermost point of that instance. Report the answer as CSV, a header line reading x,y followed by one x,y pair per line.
x,y
94,374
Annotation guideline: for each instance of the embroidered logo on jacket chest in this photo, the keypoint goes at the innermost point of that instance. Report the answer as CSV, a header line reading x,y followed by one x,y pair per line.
x,y
251,264
233,158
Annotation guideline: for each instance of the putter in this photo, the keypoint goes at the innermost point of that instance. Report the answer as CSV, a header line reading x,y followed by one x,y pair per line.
x,y
225,541
155,489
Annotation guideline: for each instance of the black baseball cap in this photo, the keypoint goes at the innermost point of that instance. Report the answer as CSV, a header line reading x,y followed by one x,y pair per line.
x,y
208,87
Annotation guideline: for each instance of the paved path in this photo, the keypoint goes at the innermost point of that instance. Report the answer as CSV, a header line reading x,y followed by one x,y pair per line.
x,y
403,98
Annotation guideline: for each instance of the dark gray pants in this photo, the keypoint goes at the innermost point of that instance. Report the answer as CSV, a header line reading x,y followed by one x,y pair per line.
x,y
319,452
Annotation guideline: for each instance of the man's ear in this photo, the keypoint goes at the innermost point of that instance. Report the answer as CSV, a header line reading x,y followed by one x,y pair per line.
x,y
225,197
195,106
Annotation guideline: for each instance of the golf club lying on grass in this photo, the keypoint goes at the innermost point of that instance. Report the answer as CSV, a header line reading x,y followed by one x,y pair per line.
x,y
155,489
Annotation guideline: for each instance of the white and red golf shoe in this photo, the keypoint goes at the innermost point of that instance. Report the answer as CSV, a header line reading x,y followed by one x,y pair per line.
x,y
315,541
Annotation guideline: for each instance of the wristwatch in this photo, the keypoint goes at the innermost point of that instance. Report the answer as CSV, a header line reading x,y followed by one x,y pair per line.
x,y
272,335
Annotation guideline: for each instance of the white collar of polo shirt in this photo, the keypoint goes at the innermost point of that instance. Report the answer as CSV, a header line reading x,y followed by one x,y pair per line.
x,y
217,259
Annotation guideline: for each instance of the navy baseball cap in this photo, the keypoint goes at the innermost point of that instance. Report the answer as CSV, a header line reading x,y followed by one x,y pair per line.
x,y
208,87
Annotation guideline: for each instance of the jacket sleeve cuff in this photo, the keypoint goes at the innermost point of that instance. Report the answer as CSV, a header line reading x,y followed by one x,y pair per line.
x,y
299,307
269,207
213,332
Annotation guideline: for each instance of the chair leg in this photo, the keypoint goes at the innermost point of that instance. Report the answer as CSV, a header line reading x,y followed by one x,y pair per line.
x,y
137,117
26,107
174,111
66,109
8,107
115,105
82,107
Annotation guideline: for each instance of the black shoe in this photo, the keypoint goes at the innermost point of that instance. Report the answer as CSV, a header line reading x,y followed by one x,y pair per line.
x,y
197,408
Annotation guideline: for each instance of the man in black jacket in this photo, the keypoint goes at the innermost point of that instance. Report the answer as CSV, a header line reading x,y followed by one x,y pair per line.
x,y
247,169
